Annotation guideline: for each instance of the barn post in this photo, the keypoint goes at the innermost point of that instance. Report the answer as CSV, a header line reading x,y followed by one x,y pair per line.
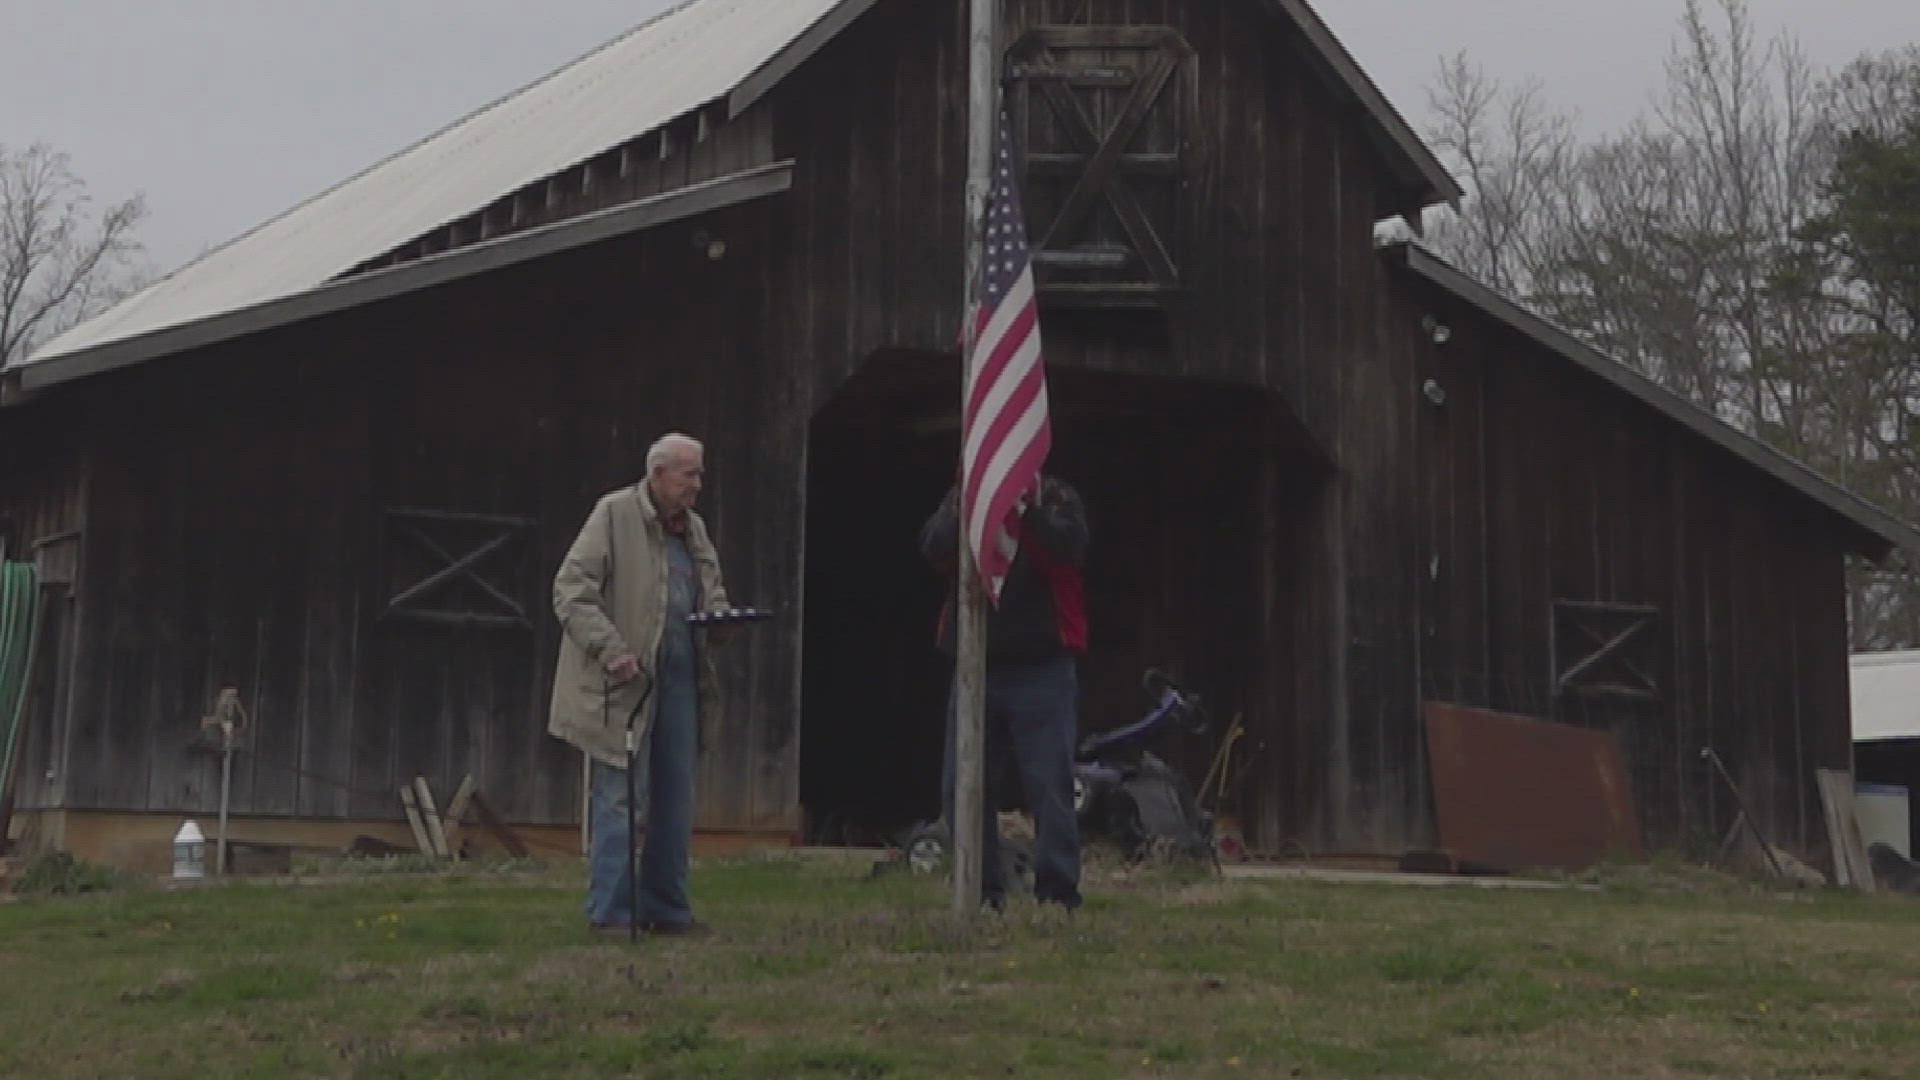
x,y
969,667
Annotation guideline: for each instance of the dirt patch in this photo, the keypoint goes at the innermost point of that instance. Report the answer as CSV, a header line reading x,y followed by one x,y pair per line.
x,y
1651,1048
169,984
358,973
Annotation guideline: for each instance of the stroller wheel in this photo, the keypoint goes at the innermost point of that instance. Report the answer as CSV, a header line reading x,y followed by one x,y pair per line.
x,y
925,848
1162,851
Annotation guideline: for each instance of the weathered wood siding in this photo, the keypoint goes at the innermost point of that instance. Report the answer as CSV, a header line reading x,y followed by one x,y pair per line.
x,y
1533,483
1429,566
43,493
240,504
1283,190
1337,547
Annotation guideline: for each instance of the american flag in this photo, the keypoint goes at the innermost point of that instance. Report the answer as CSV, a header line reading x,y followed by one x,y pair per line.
x,y
1007,432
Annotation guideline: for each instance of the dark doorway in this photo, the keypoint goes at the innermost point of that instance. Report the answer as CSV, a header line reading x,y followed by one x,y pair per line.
x,y
1181,479
873,685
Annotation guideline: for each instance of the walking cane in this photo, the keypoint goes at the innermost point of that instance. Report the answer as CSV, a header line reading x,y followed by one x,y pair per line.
x,y
633,869
633,828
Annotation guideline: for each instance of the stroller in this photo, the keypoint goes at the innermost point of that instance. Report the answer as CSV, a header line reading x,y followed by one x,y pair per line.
x,y
1125,794
1122,793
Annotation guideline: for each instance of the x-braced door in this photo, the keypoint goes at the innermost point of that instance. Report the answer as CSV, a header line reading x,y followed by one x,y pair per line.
x,y
1604,650
1103,115
448,568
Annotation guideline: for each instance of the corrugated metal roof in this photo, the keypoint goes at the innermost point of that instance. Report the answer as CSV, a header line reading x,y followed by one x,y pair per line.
x,y
683,59
413,275
700,52
1886,695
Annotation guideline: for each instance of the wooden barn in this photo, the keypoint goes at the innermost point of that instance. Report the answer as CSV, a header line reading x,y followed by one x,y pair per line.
x,y
333,464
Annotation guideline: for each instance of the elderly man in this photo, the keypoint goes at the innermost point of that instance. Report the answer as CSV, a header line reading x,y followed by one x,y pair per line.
x,y
642,563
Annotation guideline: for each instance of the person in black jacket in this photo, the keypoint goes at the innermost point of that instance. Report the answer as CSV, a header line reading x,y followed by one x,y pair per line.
x,y
1034,640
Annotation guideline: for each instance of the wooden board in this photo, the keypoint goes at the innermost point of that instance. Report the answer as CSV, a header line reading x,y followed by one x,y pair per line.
x,y
456,815
498,828
410,801
1850,866
430,816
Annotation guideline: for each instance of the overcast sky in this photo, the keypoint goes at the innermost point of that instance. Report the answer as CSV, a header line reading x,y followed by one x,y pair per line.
x,y
225,112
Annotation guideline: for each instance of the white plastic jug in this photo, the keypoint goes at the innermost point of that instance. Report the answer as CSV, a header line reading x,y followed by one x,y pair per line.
x,y
189,851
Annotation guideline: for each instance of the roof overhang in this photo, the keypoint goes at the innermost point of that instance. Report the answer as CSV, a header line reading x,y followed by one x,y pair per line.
x,y
465,262
797,52
679,67
1876,532
1422,174
693,56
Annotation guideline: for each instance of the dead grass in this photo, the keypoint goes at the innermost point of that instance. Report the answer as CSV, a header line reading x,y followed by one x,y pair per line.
x,y
817,971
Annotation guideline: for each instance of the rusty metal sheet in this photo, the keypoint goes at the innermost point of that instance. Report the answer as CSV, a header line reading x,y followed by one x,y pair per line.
x,y
1518,793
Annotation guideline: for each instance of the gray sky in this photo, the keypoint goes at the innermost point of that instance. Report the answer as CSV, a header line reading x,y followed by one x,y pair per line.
x,y
226,112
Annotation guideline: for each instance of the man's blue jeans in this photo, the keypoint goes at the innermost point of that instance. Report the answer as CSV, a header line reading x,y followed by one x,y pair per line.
x,y
1032,711
663,786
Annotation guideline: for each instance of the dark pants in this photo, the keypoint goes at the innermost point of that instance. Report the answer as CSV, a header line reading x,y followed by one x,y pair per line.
x,y
1031,713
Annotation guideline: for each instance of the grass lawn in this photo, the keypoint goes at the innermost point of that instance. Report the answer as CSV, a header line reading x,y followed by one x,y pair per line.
x,y
815,971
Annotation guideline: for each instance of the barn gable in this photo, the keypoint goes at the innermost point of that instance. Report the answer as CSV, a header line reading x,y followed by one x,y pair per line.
x,y
544,153
677,64
1875,531
284,508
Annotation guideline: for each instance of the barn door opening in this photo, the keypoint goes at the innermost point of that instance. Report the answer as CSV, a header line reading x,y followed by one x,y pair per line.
x,y
1190,494
873,686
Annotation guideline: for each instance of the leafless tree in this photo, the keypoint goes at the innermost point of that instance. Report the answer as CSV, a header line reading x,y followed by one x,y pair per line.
x,y
1699,246
1743,110
1512,154
61,259
1655,243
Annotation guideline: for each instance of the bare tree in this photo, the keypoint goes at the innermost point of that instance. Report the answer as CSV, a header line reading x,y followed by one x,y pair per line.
x,y
1742,108
60,260
1512,153
1627,272
1601,237
1733,245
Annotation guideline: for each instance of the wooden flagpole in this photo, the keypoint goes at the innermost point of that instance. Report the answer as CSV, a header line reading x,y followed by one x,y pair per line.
x,y
969,669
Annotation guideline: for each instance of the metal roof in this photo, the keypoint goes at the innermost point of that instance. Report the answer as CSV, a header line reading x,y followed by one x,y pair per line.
x,y
417,274
685,58
701,52
1886,695
1881,530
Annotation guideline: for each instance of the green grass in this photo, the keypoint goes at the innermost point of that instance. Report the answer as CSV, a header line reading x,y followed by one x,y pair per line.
x,y
815,971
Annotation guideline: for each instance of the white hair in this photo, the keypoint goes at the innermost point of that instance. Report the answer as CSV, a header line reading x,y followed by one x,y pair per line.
x,y
667,447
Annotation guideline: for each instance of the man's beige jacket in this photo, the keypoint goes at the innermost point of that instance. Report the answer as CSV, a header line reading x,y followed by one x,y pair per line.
x,y
611,597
